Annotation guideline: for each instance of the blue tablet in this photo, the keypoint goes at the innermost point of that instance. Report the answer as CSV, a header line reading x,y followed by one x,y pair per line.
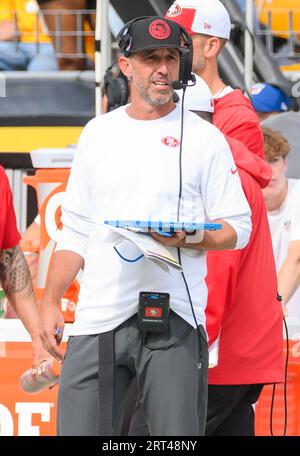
x,y
164,228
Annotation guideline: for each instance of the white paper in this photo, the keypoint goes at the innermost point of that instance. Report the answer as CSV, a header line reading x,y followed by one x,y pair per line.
x,y
152,249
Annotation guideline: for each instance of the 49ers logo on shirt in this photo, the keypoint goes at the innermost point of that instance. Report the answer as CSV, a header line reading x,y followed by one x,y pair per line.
x,y
160,30
170,141
174,10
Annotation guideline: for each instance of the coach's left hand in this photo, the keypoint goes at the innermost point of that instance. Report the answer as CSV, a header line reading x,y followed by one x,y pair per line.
x,y
177,240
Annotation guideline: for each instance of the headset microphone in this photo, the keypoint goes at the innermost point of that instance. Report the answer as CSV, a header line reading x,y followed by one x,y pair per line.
x,y
177,85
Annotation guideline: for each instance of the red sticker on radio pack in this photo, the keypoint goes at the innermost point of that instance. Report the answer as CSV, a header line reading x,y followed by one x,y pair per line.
x,y
160,30
153,312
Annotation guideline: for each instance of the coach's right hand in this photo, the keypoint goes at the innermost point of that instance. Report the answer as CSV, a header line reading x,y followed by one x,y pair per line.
x,y
52,328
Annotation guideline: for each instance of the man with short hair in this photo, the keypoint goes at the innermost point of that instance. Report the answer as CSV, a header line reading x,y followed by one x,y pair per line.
x,y
131,163
208,23
282,198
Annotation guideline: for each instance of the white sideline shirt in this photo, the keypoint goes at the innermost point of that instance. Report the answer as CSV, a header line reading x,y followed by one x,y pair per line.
x,y
127,169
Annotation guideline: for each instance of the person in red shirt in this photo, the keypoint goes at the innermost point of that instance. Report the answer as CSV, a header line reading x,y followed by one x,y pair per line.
x,y
243,314
243,310
9,235
15,277
209,25
248,321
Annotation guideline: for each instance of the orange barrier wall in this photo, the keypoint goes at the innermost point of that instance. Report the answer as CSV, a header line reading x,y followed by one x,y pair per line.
x,y
50,185
35,414
262,413
22,414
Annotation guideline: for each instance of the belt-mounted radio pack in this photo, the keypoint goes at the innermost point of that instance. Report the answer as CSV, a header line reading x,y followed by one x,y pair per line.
x,y
153,315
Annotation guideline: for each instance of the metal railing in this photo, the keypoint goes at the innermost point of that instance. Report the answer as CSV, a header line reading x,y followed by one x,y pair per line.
x,y
290,43
267,33
79,33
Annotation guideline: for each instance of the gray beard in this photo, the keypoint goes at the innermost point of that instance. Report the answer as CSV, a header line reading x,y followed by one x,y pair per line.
x,y
157,101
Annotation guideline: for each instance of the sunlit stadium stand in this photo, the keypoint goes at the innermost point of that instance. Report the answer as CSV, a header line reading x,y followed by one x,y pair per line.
x,y
280,31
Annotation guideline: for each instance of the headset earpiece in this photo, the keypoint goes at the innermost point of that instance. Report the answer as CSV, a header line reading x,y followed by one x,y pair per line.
x,y
124,39
124,36
115,88
186,58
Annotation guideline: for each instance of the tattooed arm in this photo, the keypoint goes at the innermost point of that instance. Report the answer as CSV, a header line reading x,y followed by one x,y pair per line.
x,y
17,284
14,275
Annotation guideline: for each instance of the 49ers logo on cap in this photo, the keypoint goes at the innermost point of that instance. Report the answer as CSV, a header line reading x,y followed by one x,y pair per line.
x,y
160,30
174,10
170,141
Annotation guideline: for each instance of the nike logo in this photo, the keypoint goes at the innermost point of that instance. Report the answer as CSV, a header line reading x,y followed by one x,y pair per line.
x,y
234,171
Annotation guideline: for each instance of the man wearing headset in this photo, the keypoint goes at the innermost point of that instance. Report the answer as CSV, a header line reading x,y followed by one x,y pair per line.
x,y
208,23
137,163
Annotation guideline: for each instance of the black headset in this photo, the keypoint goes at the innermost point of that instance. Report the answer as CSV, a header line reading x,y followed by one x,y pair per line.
x,y
115,88
186,55
124,36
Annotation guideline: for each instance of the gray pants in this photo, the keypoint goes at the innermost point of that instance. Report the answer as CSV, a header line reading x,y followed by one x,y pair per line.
x,y
172,388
